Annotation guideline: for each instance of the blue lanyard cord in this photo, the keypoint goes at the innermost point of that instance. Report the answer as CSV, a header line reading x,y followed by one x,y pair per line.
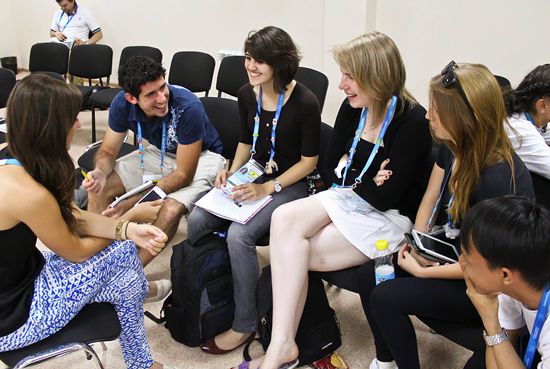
x,y
10,162
140,146
378,142
530,119
256,132
69,19
436,206
537,328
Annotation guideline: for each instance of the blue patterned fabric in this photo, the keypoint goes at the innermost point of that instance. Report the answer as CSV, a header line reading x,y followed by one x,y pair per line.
x,y
61,290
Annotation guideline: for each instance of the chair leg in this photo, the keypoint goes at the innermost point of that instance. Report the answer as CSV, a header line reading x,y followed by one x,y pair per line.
x,y
93,123
91,352
58,352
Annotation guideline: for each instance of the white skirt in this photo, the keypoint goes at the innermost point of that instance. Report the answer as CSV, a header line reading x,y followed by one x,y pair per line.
x,y
362,224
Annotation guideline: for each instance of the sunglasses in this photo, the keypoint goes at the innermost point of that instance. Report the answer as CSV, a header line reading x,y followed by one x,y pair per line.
x,y
450,79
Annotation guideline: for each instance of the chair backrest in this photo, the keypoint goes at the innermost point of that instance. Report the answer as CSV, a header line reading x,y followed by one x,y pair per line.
x,y
91,61
53,75
542,189
224,115
7,81
316,81
326,134
193,70
49,57
131,51
231,75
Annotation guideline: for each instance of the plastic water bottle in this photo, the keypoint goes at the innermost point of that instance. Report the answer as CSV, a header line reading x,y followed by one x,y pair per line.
x,y
383,264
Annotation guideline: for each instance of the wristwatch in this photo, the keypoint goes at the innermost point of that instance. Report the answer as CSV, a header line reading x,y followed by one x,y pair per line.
x,y
277,185
496,339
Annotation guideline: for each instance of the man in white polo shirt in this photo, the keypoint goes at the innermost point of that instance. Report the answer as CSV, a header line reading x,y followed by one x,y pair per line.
x,y
72,25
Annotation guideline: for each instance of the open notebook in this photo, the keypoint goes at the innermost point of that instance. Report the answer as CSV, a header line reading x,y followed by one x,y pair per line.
x,y
217,203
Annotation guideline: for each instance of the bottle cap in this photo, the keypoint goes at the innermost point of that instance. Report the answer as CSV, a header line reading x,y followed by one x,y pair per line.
x,y
381,245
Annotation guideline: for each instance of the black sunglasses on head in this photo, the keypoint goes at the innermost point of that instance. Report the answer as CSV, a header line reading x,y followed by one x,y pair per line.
x,y
450,79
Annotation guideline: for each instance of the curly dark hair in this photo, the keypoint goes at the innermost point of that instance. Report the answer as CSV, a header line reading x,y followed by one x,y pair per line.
x,y
534,86
41,112
138,71
273,46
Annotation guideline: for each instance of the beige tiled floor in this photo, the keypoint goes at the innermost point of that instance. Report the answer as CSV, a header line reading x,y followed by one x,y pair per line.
x,y
357,347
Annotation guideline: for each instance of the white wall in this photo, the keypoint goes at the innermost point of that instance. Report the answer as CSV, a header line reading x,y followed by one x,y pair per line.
x,y
509,36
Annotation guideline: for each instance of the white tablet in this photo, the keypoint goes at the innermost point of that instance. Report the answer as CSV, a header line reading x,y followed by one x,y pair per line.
x,y
435,247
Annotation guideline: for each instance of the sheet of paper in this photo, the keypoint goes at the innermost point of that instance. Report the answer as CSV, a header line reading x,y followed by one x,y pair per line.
x,y
217,203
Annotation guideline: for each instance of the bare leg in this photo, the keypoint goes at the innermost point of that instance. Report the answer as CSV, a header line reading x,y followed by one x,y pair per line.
x,y
168,220
113,187
314,243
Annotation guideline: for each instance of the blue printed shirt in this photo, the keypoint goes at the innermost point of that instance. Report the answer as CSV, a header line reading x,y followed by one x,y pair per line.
x,y
186,121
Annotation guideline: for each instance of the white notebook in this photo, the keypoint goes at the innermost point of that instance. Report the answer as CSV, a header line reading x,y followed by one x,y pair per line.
x,y
217,203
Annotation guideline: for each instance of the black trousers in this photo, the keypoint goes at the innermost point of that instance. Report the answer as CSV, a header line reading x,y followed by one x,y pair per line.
x,y
440,303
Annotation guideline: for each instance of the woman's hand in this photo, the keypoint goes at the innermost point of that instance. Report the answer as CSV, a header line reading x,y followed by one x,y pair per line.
x,y
409,263
383,174
147,237
252,191
122,207
145,212
221,178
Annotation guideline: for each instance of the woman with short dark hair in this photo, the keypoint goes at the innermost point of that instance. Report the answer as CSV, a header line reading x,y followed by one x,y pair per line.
x,y
286,116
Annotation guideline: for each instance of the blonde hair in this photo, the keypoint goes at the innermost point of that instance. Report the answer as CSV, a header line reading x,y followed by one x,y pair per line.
x,y
478,135
374,61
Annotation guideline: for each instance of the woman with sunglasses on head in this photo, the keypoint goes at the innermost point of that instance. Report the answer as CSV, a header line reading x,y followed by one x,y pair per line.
x,y
40,292
476,162
280,129
528,108
379,129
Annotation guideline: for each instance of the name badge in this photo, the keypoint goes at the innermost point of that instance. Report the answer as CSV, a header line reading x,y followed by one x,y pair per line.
x,y
151,177
451,232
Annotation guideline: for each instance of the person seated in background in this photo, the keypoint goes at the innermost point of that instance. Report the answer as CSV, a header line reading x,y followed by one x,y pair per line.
x,y
379,130
505,258
183,155
72,25
528,108
272,99
40,292
476,162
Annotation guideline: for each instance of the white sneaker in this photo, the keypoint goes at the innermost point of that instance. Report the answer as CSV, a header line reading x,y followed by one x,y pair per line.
x,y
164,286
375,364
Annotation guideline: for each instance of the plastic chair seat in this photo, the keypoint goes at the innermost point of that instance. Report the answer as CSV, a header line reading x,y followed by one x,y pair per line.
x,y
102,99
86,160
94,323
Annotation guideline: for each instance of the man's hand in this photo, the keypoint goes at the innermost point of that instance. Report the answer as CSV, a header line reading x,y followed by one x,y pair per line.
x,y
252,191
122,207
60,36
78,41
221,178
147,237
486,305
95,181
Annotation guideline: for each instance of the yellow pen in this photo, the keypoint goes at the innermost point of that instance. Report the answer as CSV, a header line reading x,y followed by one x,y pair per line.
x,y
84,174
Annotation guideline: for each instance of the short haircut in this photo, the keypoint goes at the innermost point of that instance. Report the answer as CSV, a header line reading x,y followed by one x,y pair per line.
x,y
273,46
138,71
511,232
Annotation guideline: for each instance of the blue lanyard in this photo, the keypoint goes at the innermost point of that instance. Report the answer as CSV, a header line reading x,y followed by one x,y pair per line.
x,y
537,328
377,144
530,119
436,206
140,146
70,18
10,162
256,133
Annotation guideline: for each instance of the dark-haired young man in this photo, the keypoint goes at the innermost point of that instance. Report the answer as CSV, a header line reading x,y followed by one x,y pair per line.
x,y
184,151
506,251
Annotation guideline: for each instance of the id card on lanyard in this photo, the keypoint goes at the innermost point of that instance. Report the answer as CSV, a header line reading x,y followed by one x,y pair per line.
x,y
271,166
357,137
151,176
542,312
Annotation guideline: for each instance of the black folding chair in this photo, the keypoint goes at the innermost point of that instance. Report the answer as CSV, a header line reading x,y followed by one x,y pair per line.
x,y
316,81
224,115
193,70
231,75
49,57
7,81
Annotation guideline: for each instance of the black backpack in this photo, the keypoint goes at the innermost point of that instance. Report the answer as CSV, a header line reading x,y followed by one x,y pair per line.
x,y
319,331
201,305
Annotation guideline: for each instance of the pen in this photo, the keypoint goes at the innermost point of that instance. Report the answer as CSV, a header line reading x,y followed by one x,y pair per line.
x,y
84,174
237,203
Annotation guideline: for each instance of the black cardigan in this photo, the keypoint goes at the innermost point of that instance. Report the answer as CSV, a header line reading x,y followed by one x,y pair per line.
x,y
407,144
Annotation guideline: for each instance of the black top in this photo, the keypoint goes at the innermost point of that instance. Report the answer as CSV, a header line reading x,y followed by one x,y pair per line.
x,y
494,181
20,264
298,129
407,144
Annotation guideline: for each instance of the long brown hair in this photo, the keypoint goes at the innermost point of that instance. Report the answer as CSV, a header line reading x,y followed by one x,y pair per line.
x,y
478,135
40,114
374,61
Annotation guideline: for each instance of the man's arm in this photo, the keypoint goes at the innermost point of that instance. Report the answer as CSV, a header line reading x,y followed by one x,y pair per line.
x,y
187,159
93,40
